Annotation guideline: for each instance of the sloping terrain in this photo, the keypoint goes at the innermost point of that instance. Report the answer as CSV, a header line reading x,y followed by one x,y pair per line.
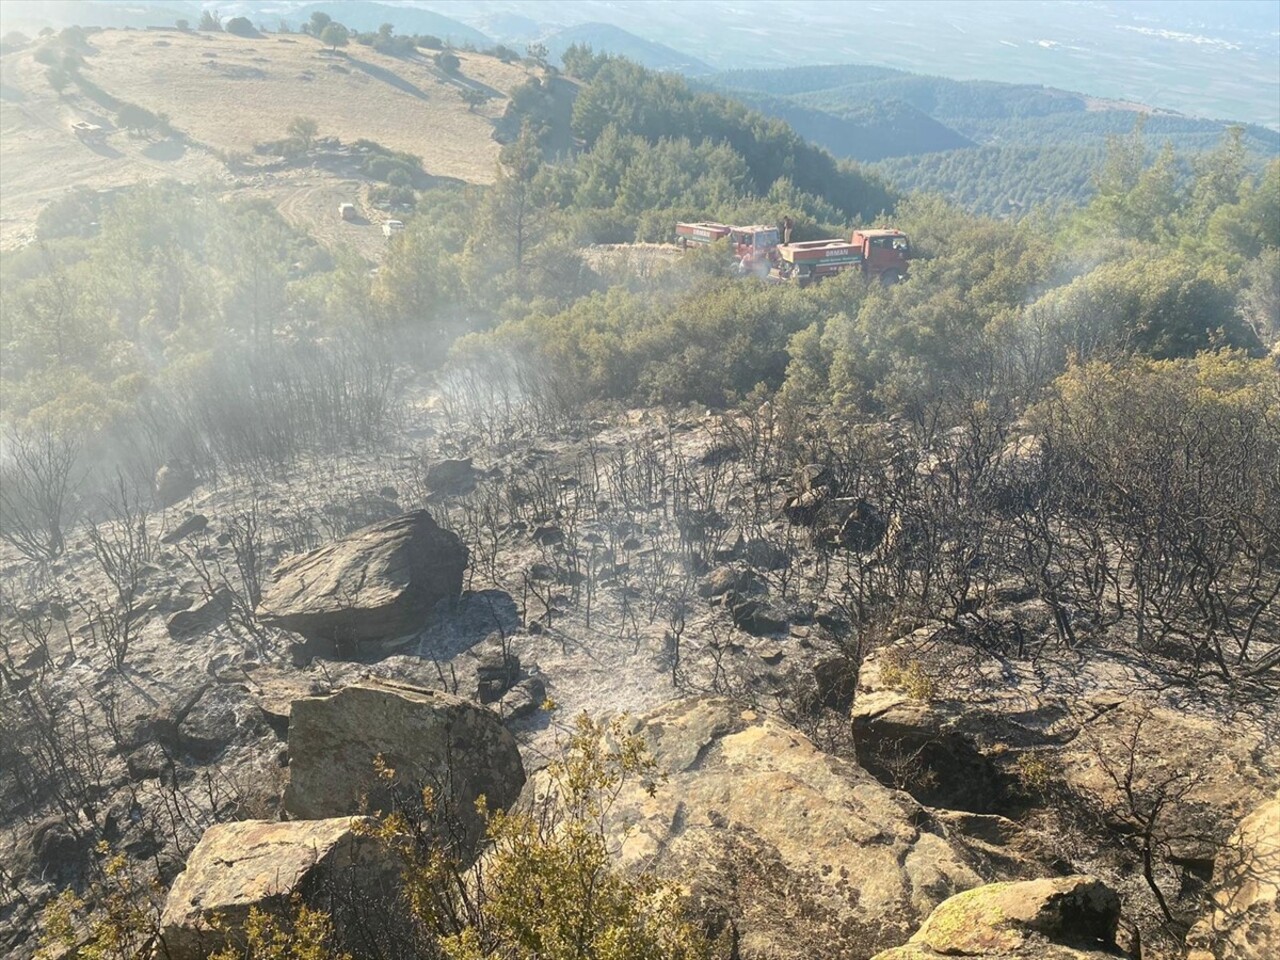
x,y
224,94
863,130
361,15
996,148
606,38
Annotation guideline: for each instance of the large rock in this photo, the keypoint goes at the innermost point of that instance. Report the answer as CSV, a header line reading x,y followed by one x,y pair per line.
x,y
1245,923
792,846
457,747
453,477
381,581
1067,918
237,867
973,720
175,481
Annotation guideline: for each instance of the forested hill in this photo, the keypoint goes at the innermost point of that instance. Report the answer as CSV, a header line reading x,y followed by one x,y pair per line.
x,y
654,149
995,147
866,131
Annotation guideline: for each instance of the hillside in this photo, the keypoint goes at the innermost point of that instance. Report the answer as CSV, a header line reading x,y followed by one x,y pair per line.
x,y
994,147
361,15
867,131
605,38
223,95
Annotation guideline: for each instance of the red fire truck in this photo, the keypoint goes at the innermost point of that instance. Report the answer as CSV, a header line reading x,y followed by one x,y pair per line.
x,y
754,247
880,253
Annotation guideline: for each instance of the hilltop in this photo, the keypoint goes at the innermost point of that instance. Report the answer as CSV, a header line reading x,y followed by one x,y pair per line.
x,y
223,95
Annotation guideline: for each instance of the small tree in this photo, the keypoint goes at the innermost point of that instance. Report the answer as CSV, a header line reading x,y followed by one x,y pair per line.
x,y
473,97
304,130
335,35
136,118
210,21
38,481
537,53
58,79
318,22
183,25
548,886
241,27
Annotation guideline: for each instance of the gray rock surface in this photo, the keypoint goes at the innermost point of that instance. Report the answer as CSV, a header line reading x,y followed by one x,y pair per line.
x,y
457,747
380,582
971,718
452,477
253,863
1245,922
792,846
1064,918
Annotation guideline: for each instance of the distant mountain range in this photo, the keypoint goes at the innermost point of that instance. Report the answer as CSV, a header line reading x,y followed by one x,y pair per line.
x,y
603,38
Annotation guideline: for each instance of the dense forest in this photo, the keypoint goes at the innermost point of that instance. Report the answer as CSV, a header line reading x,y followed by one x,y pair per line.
x,y
1129,341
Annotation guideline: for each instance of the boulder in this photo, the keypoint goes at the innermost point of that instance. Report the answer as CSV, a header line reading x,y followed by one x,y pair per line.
x,y
57,850
548,535
803,508
765,555
175,481
861,525
524,699
1245,923
1065,918
496,673
451,477
259,864
792,846
197,620
756,617
380,582
193,524
726,579
427,737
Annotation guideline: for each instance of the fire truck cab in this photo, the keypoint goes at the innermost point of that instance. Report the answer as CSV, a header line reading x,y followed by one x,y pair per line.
x,y
884,253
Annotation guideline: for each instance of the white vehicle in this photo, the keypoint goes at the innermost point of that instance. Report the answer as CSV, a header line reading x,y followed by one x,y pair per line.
x,y
88,132
391,227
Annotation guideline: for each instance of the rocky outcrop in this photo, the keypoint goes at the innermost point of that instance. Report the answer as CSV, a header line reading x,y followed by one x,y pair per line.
x,y
790,845
1245,923
457,747
237,867
1066,918
380,582
973,719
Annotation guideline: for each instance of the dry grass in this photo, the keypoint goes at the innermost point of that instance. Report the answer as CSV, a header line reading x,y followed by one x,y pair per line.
x,y
227,93
231,93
